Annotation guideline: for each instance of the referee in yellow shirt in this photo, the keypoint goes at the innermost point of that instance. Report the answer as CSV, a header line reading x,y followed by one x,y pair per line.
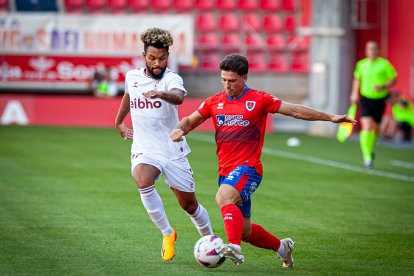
x,y
373,77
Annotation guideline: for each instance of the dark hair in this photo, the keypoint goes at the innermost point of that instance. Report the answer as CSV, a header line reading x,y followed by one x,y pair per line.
x,y
157,38
235,63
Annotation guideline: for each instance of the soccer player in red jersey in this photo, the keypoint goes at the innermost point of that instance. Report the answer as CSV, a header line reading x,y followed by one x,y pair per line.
x,y
239,116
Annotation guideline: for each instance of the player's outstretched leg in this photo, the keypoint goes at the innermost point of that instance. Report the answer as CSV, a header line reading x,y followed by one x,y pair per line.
x,y
286,257
230,251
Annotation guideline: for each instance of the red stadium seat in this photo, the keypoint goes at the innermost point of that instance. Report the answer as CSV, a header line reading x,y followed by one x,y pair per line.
x,y
289,5
248,5
257,62
116,5
278,63
207,41
275,41
229,22
272,22
298,43
206,22
251,22
231,41
74,6
183,4
210,62
300,62
95,4
269,5
254,41
226,4
138,5
160,4
204,4
290,23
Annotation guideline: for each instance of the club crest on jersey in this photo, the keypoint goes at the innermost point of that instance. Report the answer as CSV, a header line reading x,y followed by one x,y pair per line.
x,y
250,105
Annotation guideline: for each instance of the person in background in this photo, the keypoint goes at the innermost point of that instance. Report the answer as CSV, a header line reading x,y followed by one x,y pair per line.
x,y
402,114
152,96
373,77
239,116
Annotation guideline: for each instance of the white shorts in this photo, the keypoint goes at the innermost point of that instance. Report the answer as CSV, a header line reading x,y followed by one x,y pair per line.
x,y
177,172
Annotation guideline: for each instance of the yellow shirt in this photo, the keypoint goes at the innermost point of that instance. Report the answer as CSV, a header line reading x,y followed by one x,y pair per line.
x,y
378,72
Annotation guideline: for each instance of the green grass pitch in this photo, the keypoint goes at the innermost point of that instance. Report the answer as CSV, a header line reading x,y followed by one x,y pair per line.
x,y
68,205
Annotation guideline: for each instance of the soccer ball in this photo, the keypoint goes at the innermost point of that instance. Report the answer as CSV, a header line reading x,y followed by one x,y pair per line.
x,y
205,252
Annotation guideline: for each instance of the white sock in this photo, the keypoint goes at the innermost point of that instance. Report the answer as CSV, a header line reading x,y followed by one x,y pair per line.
x,y
153,204
282,250
201,221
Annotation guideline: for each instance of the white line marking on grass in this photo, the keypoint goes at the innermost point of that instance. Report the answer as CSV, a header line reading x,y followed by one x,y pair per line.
x,y
317,160
399,163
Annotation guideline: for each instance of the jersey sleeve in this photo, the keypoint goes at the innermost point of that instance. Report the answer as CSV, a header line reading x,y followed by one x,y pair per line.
x,y
176,82
391,72
204,108
357,71
271,104
126,84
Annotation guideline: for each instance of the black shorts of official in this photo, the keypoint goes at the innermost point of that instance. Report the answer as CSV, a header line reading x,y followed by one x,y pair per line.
x,y
373,108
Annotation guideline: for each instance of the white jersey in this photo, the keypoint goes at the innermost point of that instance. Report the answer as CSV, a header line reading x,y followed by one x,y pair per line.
x,y
154,119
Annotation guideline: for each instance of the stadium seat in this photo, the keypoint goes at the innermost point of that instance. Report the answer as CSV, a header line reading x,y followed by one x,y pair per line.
x,y
229,22
299,63
275,41
204,4
73,6
207,41
289,23
206,22
183,4
289,5
257,62
117,5
269,5
278,63
93,5
251,22
4,5
138,5
272,22
298,43
248,5
231,41
226,4
210,62
254,41
160,4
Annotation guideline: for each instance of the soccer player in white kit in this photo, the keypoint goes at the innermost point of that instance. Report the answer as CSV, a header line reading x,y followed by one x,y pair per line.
x,y
152,95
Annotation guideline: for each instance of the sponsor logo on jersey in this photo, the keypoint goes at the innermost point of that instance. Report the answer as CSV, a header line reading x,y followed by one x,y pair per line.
x,y
144,104
250,105
135,85
231,120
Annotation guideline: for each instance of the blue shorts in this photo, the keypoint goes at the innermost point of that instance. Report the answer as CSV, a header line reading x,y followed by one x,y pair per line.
x,y
245,180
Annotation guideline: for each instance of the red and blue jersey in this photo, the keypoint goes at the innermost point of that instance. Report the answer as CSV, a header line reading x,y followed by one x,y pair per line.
x,y
240,125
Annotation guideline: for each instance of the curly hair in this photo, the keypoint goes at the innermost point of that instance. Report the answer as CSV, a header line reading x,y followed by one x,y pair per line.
x,y
157,38
235,63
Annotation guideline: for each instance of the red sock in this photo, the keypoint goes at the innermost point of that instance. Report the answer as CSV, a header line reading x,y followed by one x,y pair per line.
x,y
233,223
263,239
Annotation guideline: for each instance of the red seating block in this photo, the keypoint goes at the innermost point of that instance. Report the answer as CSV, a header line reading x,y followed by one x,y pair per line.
x,y
229,22
160,4
257,62
289,23
117,4
249,5
254,41
206,22
138,4
95,4
275,41
300,62
297,43
204,4
73,4
278,63
231,41
251,22
289,5
272,22
210,62
226,4
207,41
183,4
269,5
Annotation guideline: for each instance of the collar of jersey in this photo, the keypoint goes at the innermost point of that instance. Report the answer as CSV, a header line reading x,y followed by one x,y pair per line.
x,y
239,97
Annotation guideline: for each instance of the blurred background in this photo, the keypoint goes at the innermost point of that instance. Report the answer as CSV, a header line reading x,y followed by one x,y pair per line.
x,y
62,56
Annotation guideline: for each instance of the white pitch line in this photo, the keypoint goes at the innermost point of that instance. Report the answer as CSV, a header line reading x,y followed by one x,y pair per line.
x,y
403,164
316,160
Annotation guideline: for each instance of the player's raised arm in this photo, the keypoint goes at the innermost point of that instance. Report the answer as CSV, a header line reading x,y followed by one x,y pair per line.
x,y
306,113
174,96
186,125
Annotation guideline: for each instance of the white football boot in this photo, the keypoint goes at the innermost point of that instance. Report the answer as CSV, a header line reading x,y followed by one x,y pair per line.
x,y
287,259
227,251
